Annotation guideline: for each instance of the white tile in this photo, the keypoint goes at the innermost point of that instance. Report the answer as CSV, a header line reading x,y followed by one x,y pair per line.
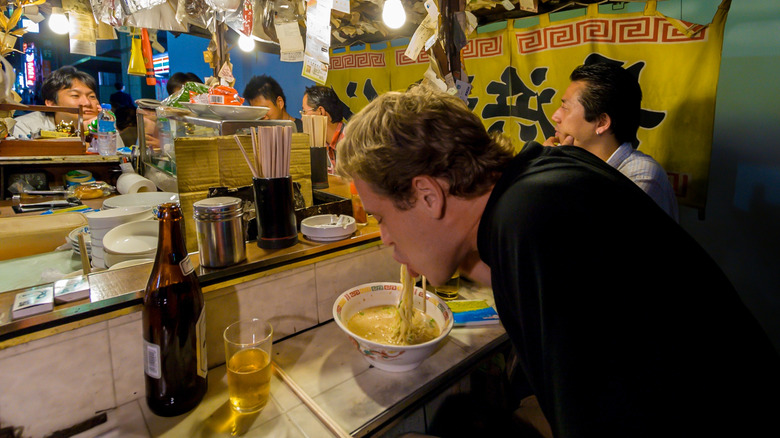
x,y
127,358
308,424
124,319
471,339
52,340
287,301
126,421
320,359
48,389
213,416
357,401
337,275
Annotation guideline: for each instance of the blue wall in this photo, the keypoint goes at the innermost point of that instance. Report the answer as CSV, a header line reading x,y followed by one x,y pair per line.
x,y
186,55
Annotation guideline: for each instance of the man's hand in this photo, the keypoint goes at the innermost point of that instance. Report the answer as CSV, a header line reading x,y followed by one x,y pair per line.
x,y
559,139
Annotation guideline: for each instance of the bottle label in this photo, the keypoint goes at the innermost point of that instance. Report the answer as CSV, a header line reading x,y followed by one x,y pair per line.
x,y
152,366
186,266
200,331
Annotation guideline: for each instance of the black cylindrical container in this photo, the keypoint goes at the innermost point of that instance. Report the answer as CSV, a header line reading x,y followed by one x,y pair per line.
x,y
275,213
319,167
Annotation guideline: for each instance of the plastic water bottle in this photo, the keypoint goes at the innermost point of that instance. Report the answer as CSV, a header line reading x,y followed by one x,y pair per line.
x,y
106,134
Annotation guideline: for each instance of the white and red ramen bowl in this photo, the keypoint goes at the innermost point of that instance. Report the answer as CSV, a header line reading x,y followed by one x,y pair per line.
x,y
395,358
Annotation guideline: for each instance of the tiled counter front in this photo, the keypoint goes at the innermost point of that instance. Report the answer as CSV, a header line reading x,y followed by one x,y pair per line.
x,y
61,380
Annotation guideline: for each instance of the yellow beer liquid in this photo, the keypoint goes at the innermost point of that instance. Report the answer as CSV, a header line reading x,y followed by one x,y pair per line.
x,y
449,291
249,379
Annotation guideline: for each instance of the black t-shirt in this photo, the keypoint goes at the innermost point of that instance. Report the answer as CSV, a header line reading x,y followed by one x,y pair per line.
x,y
623,324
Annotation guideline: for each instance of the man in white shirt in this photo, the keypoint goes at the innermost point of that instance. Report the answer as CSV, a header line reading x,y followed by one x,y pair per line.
x,y
600,113
66,86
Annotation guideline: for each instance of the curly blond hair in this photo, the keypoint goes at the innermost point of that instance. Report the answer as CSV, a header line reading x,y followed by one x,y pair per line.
x,y
421,132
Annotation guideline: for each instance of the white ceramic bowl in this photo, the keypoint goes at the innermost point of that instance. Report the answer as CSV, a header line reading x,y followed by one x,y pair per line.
x,y
326,227
107,219
394,358
238,112
132,238
128,263
122,260
98,262
142,199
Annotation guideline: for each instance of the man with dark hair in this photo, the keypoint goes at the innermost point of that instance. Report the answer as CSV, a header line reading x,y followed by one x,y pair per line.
x,y
265,91
600,113
623,324
323,101
120,99
68,87
178,79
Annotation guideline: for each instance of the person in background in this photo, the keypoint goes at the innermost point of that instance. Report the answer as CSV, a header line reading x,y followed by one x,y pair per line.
x,y
623,324
600,113
120,98
177,80
127,125
265,91
323,101
67,87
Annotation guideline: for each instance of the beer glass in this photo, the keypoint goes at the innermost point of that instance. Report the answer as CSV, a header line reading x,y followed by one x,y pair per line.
x,y
248,354
449,290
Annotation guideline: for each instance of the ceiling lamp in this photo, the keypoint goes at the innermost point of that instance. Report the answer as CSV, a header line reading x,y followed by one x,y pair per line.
x,y
393,14
245,43
58,22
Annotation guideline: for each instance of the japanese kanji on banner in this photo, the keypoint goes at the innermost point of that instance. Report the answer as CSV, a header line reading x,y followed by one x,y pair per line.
x,y
519,75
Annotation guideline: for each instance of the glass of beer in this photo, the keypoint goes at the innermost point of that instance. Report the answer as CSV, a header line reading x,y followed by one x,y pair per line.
x,y
248,354
449,290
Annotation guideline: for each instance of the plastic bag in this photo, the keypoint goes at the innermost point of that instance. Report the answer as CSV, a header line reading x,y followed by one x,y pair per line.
x,y
108,11
183,95
161,16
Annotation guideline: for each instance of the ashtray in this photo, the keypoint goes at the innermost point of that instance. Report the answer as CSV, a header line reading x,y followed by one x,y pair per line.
x,y
328,227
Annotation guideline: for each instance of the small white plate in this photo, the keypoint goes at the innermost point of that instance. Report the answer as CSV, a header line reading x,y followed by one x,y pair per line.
x,y
73,239
326,227
238,112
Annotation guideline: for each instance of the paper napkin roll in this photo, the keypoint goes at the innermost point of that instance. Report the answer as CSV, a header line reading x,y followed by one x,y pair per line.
x,y
134,183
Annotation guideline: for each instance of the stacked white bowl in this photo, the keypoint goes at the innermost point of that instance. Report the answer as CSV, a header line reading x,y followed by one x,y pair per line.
x,y
130,241
101,222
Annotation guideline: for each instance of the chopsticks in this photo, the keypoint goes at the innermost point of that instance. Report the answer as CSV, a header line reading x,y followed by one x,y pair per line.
x,y
316,410
317,128
425,295
271,151
85,267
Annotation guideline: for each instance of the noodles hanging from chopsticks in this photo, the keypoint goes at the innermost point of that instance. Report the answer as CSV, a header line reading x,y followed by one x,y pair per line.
x,y
405,307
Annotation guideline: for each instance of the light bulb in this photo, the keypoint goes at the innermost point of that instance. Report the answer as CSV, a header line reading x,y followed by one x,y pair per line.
x,y
246,43
393,14
58,22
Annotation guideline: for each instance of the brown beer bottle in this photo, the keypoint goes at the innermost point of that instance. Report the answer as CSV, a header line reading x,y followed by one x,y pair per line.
x,y
174,323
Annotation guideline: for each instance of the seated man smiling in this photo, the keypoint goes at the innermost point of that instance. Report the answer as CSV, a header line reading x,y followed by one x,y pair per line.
x,y
68,87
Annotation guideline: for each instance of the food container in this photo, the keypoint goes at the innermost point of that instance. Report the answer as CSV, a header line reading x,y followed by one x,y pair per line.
x,y
220,231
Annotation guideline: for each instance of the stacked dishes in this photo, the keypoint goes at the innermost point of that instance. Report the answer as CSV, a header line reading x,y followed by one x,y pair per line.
x,y
101,222
73,239
130,241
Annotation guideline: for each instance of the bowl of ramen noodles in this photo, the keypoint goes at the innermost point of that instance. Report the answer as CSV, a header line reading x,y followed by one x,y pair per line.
x,y
395,326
